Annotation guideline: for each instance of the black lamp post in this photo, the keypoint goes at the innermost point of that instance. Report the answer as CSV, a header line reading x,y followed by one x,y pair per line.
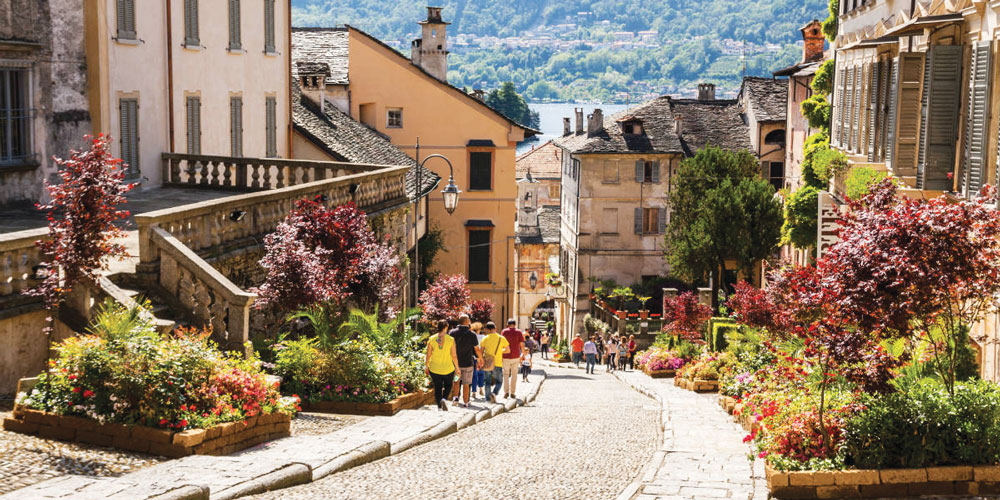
x,y
450,195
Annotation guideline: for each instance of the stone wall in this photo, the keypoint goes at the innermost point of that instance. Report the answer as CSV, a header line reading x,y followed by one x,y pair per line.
x,y
24,346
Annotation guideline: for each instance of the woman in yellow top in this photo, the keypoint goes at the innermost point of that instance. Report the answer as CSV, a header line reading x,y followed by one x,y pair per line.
x,y
442,363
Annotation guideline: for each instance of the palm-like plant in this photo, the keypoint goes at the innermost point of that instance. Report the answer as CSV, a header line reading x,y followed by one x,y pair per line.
x,y
393,335
322,319
642,301
622,293
115,321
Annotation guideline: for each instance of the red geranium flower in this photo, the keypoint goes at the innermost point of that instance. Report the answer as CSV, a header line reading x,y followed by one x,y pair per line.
x,y
88,393
76,389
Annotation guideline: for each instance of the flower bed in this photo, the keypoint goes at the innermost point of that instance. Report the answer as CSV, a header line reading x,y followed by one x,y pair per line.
x,y
404,402
222,439
702,375
660,361
885,483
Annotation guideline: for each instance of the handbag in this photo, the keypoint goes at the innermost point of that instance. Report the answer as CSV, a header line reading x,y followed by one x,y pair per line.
x,y
489,360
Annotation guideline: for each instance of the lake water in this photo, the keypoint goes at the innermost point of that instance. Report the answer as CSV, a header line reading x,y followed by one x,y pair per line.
x,y
552,115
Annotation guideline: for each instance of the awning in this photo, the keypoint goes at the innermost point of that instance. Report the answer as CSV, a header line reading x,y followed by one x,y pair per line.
x,y
917,26
478,223
874,42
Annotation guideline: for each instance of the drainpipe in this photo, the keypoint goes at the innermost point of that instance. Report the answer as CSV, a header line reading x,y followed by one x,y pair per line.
x,y
170,77
288,76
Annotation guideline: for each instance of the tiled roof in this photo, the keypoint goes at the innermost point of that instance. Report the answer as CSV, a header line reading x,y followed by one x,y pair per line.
x,y
715,122
544,162
767,96
800,69
322,45
547,230
347,140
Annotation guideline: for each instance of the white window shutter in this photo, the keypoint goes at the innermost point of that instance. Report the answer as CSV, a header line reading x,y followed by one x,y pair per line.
x,y
978,119
639,170
638,221
943,110
839,108
849,111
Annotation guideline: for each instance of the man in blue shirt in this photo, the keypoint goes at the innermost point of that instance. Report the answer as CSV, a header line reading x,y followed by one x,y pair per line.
x,y
590,352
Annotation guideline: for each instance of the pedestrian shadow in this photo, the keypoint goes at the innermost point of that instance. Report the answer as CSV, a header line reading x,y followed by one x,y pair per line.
x,y
567,377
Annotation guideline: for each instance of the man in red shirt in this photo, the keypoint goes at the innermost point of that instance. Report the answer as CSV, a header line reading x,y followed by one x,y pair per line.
x,y
577,350
631,352
512,359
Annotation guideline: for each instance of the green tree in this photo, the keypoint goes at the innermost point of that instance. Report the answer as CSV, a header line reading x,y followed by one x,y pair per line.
x,y
722,211
801,218
506,100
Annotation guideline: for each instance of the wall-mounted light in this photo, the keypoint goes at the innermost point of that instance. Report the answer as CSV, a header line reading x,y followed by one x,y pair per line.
x,y
533,280
237,215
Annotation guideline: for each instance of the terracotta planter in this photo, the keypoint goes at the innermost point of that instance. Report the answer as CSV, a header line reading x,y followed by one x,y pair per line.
x,y
222,439
404,402
643,314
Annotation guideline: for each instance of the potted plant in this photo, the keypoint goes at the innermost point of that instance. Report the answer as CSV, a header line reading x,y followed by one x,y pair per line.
x,y
643,312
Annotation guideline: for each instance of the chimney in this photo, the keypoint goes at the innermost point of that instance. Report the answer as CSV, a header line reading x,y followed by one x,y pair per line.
x,y
595,123
566,126
312,79
706,92
815,41
579,120
678,125
430,51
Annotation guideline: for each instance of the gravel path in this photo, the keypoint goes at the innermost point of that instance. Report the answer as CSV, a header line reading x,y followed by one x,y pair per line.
x,y
586,436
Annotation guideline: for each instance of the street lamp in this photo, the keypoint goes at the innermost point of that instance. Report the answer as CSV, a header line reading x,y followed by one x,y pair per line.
x,y
450,194
533,280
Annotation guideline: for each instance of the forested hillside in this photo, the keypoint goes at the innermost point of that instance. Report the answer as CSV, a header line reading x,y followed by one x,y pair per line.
x,y
568,47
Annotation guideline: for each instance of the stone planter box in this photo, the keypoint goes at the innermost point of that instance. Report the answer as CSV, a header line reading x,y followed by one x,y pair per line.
x,y
404,402
222,439
727,403
697,385
660,373
885,483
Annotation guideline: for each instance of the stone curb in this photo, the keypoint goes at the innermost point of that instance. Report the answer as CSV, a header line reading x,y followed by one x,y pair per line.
x,y
188,492
649,470
438,431
289,475
368,452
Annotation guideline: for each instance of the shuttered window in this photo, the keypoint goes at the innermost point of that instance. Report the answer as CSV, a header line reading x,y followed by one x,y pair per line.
x,y
193,125
271,124
15,116
269,45
883,126
128,110
861,145
848,132
907,116
236,125
126,19
977,120
924,97
234,25
839,107
858,118
891,121
873,93
650,221
944,89
191,37
647,171
479,255
480,171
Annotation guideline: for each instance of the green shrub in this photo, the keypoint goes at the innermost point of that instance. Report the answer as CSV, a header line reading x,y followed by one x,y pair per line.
x,y
801,218
720,328
822,82
860,179
922,426
828,162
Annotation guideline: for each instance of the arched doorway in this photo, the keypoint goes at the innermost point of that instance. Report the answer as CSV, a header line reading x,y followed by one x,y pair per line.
x,y
544,314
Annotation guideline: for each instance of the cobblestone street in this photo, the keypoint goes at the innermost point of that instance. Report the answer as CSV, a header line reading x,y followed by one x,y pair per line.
x,y
586,436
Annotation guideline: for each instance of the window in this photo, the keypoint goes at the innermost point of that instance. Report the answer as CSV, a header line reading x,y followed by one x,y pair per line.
x,y
647,171
126,19
394,118
776,137
194,125
191,37
650,220
975,162
269,46
15,117
234,25
610,172
479,255
128,110
553,191
609,221
777,174
480,171
271,122
576,169
236,126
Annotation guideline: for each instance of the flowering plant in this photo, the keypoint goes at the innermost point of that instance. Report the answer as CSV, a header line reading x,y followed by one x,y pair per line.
x,y
658,358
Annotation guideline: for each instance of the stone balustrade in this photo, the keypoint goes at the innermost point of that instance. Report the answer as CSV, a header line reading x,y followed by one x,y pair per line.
x,y
250,174
18,257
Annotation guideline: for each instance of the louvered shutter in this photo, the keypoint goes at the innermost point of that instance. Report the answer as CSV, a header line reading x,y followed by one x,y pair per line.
x,y
194,125
921,150
271,106
236,125
191,34
840,108
269,26
861,143
883,115
234,25
128,110
943,111
978,119
907,129
858,117
126,19
656,172
638,221
639,166
873,96
848,133
890,125
661,214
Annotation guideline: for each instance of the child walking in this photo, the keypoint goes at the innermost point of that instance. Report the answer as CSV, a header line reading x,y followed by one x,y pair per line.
x,y
525,368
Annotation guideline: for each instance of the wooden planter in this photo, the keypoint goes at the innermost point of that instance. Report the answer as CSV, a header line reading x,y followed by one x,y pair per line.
x,y
660,373
222,439
404,402
885,483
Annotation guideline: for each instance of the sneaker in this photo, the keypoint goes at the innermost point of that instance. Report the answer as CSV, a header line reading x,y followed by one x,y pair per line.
x,y
444,405
493,398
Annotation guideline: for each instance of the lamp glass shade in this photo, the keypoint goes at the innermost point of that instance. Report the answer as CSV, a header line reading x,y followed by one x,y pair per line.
x,y
450,194
533,280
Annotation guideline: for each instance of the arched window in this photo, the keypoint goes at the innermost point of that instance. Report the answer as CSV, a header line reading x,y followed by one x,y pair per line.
x,y
776,137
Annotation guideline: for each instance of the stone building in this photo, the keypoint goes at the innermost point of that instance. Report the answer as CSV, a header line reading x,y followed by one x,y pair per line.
x,y
410,101
762,101
616,180
916,95
536,249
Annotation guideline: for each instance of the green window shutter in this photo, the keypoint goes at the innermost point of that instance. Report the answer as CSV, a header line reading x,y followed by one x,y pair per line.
x,y
873,96
640,166
907,115
638,221
271,110
269,45
977,120
943,110
191,35
234,25
662,220
656,172
236,126
480,171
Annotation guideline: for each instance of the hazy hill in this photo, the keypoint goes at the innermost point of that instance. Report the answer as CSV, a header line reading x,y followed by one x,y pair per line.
x,y
689,46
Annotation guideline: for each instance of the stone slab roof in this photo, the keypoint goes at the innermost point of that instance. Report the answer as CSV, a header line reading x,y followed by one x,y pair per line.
x,y
547,231
710,122
767,96
348,140
544,162
322,45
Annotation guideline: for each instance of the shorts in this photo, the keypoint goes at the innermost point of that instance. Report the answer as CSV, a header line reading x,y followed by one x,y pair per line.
x,y
466,374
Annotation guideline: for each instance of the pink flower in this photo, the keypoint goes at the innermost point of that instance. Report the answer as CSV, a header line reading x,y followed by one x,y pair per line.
x,y
762,454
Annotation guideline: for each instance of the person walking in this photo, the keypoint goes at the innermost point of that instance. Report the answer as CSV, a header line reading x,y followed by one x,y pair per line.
x,y
494,346
545,344
512,359
441,363
590,351
477,372
622,354
531,346
632,348
577,350
612,350
525,368
469,355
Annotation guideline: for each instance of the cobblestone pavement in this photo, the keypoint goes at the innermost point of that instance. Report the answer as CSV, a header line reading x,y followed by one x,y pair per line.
x,y
584,437
315,424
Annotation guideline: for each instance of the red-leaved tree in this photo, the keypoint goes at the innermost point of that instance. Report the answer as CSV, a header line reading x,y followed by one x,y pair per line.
x,y
481,310
446,298
82,215
685,317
